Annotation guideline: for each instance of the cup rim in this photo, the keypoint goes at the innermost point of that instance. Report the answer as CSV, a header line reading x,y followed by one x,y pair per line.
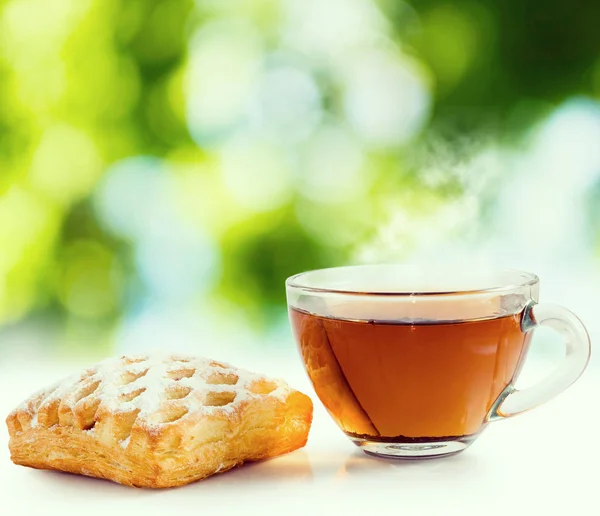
x,y
529,280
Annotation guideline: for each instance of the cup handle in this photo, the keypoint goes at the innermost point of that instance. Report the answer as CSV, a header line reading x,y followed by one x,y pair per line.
x,y
513,401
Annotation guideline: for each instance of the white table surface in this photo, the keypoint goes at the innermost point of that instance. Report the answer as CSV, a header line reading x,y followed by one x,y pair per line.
x,y
542,462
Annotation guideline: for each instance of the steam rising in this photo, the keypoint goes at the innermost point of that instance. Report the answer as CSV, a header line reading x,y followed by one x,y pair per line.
x,y
529,210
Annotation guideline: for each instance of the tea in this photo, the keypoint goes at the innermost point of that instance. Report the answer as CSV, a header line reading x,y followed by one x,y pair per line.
x,y
409,381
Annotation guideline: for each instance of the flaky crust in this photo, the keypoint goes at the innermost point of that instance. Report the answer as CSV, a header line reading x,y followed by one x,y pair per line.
x,y
198,426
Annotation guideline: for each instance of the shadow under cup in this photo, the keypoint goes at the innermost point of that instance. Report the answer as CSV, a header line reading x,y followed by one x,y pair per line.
x,y
409,363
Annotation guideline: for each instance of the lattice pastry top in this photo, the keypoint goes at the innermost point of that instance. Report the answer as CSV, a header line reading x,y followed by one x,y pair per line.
x,y
153,390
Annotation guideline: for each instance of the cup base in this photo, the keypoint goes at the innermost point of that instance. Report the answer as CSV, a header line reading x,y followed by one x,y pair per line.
x,y
413,450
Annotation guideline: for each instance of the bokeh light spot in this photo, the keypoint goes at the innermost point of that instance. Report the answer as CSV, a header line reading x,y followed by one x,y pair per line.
x,y
386,98
177,263
134,196
333,170
223,70
256,174
287,104
326,29
90,281
65,164
451,40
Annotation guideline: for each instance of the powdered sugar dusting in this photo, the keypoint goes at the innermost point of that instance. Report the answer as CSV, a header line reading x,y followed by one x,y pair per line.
x,y
157,389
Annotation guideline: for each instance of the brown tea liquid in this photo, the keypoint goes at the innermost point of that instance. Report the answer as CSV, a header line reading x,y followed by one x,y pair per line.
x,y
409,381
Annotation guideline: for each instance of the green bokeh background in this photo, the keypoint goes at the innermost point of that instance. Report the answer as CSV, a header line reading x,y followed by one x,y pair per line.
x,y
192,95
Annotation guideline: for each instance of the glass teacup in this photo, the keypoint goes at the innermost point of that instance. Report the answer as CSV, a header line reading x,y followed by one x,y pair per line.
x,y
415,363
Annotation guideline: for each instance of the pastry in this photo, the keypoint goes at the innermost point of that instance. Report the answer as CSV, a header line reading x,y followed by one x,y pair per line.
x,y
158,421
